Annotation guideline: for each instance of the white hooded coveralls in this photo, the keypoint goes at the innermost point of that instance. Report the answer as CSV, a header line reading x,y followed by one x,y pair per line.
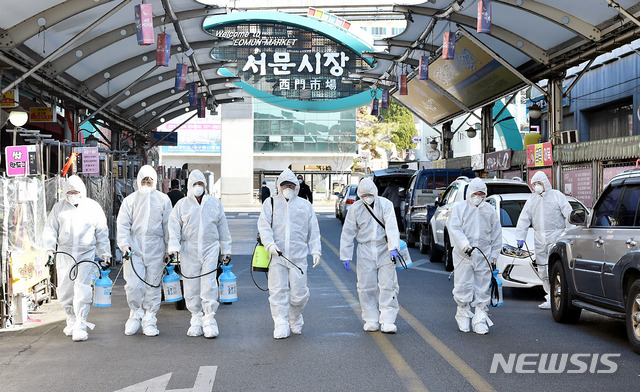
x,y
293,226
82,232
200,233
377,280
476,227
548,214
143,226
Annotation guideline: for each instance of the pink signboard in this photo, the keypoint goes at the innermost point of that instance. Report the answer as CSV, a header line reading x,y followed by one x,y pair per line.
x,y
579,184
21,160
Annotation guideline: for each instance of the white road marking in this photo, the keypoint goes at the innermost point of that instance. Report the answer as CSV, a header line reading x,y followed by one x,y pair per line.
x,y
204,382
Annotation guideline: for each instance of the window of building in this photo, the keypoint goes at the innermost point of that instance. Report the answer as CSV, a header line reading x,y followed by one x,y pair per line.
x,y
279,130
611,121
378,31
396,30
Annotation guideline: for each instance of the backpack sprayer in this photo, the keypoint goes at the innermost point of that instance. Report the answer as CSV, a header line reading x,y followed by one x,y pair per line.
x,y
496,283
102,286
261,261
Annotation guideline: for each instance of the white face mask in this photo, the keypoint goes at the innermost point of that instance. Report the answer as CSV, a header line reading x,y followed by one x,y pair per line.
x,y
198,190
537,188
369,199
145,190
476,200
288,193
73,199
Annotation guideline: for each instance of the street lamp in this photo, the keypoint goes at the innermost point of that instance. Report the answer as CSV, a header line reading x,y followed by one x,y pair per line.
x,y
91,141
433,144
18,116
535,111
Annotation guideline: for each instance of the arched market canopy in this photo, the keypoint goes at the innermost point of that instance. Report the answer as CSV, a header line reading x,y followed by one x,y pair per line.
x,y
525,42
83,54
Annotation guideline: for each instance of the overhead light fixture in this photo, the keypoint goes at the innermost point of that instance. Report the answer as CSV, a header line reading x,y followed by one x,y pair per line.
x,y
189,52
535,111
18,116
471,132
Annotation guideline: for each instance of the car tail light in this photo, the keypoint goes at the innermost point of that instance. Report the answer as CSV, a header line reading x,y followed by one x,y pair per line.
x,y
350,201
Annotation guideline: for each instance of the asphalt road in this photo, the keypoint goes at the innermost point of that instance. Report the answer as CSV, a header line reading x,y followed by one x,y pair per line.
x,y
333,353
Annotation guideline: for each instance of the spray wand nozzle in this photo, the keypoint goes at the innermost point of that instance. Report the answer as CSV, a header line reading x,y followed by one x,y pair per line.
x,y
50,261
294,264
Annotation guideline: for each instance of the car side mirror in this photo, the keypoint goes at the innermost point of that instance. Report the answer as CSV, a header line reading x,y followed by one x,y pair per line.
x,y
402,193
437,202
578,217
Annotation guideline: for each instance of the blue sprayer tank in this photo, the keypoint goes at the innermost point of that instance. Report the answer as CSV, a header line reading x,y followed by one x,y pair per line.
x,y
171,285
102,290
404,252
228,285
499,284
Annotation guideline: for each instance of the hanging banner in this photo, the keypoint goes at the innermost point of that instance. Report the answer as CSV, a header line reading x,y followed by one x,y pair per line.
x,y
374,108
46,114
484,16
163,50
448,45
477,162
201,107
539,155
10,98
499,160
144,24
181,76
385,99
193,94
403,84
424,68
21,160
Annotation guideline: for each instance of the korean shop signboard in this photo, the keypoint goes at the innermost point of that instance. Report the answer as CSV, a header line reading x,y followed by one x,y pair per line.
x,y
292,61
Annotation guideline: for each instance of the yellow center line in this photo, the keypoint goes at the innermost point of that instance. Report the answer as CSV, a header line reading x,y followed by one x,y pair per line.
x,y
410,379
445,352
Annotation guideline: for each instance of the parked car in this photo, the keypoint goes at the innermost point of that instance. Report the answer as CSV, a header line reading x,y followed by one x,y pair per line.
x,y
384,178
436,239
517,266
424,187
597,267
346,198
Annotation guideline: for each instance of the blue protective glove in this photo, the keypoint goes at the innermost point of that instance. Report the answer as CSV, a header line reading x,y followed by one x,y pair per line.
x,y
347,264
520,244
394,254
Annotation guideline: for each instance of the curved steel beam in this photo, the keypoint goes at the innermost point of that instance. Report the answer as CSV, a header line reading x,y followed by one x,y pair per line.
x,y
556,16
124,66
180,110
169,75
28,28
153,100
60,65
517,42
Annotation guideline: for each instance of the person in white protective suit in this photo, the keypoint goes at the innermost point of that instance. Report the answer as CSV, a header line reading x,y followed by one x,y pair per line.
x,y
289,229
198,233
143,233
77,226
547,210
377,246
474,224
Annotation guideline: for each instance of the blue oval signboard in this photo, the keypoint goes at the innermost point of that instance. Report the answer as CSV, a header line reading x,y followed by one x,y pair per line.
x,y
292,61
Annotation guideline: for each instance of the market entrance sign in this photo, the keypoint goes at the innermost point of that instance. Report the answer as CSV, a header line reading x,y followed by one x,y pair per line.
x,y
292,61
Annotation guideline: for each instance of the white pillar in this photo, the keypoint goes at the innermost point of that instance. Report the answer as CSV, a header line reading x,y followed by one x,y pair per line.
x,y
236,164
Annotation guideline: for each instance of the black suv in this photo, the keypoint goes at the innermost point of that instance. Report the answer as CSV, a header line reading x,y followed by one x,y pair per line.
x,y
597,267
